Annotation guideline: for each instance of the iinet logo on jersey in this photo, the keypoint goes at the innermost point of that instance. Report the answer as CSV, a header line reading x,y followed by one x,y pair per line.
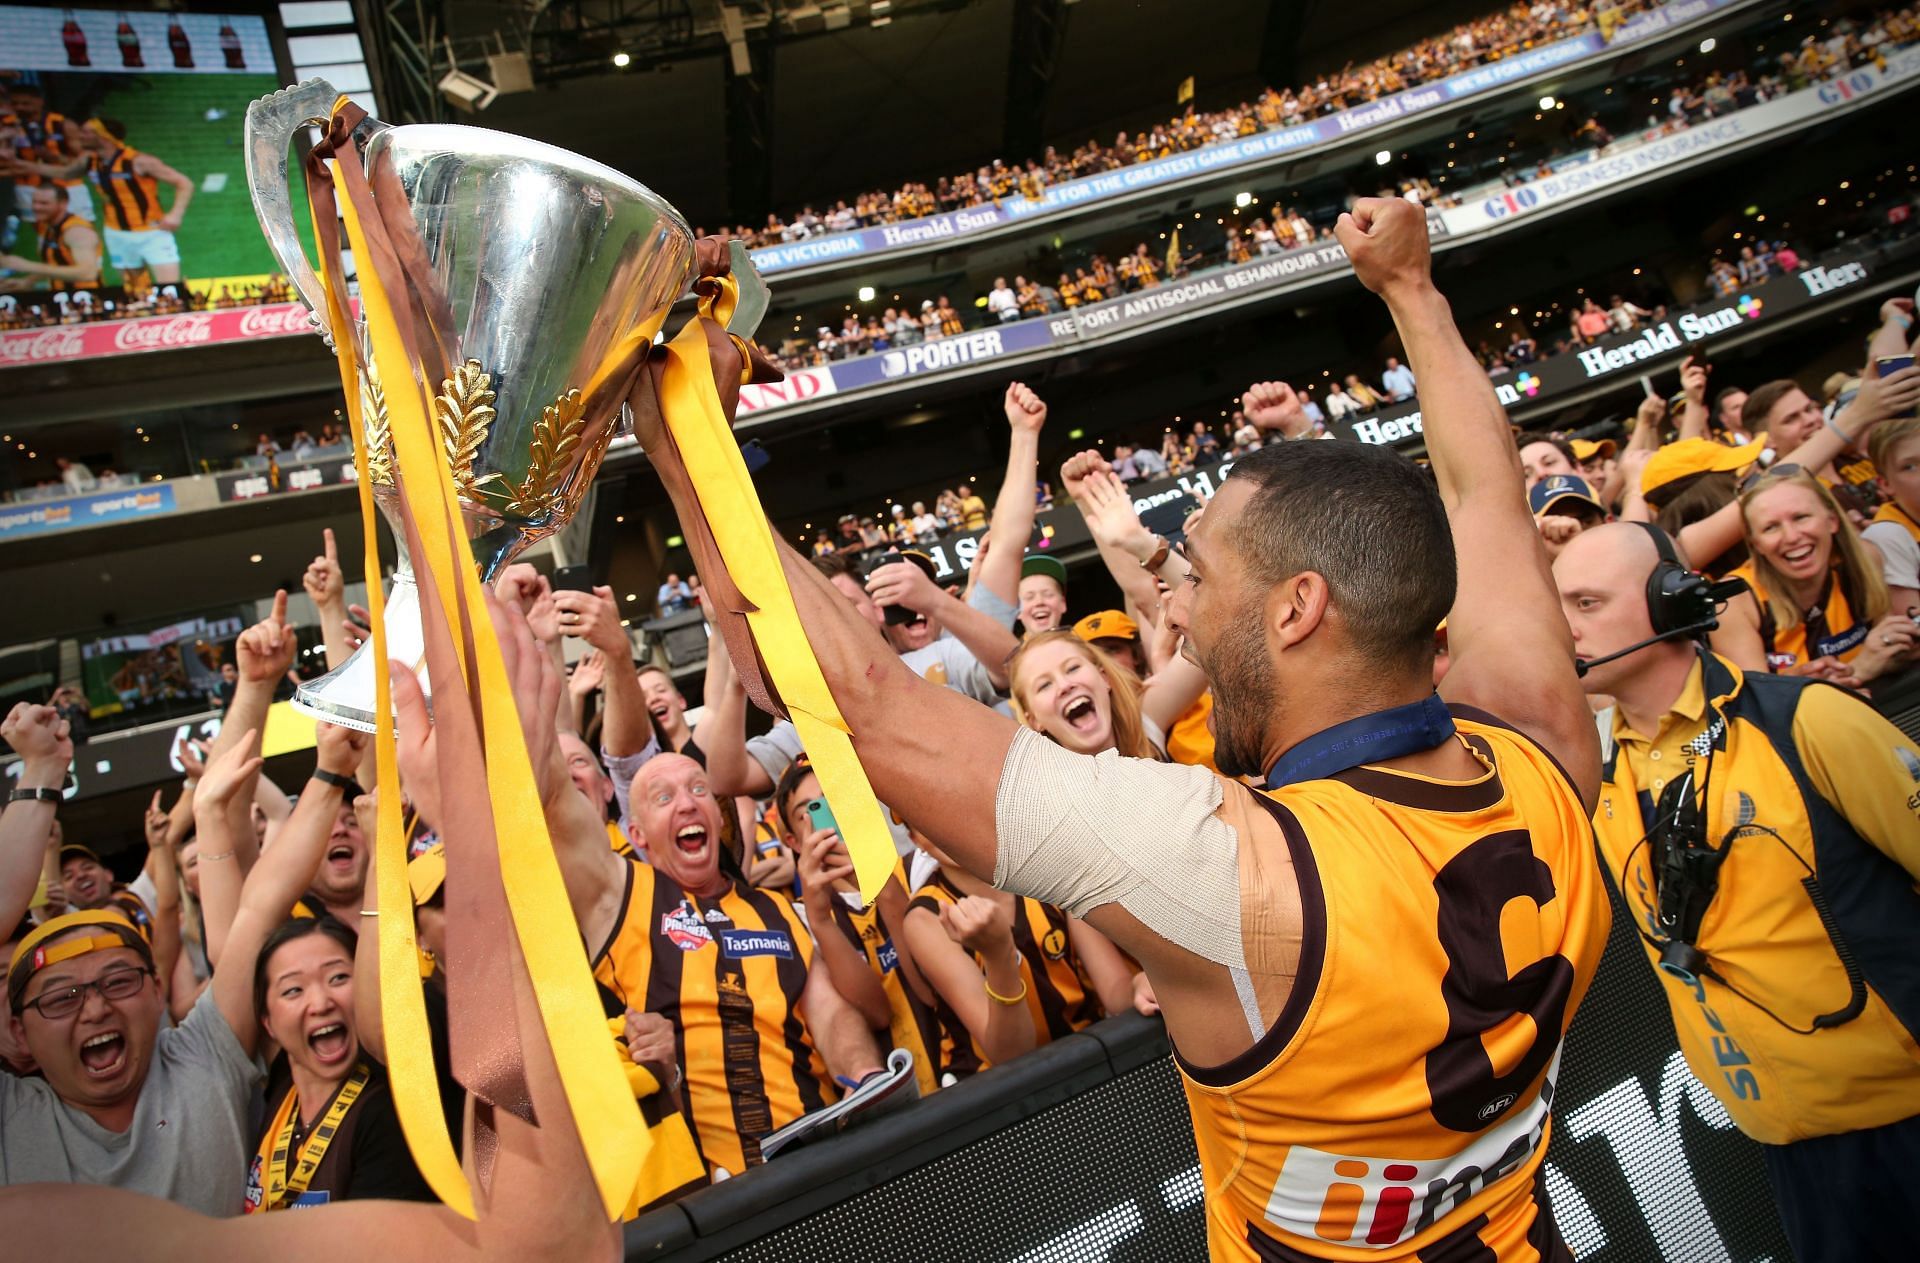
x,y
1364,1200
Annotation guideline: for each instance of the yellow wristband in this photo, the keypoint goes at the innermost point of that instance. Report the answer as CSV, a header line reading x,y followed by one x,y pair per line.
x,y
997,998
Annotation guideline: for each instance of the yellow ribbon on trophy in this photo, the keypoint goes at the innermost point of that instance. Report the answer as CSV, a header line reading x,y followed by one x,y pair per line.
x,y
601,1104
690,405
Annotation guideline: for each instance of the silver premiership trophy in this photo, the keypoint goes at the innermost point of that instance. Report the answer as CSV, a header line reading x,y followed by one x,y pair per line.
x,y
550,267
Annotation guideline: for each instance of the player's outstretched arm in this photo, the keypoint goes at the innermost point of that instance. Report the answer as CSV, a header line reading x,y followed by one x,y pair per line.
x,y
1511,649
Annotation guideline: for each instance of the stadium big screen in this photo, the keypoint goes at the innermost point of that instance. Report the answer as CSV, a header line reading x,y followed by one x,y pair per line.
x,y
179,85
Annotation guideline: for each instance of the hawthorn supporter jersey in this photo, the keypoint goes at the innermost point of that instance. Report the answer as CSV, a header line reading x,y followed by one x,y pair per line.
x,y
865,931
728,973
1059,995
1398,1107
1892,512
1828,630
130,905
130,201
1190,740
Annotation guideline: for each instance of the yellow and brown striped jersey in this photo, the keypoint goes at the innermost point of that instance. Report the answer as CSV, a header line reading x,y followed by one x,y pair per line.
x,y
55,250
38,140
866,932
728,972
1398,1107
1059,994
130,201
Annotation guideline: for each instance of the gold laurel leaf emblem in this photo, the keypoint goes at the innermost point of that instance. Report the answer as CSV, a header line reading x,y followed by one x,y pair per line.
x,y
465,411
556,437
379,433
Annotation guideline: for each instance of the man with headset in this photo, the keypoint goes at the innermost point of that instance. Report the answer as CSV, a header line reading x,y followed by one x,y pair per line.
x,y
1764,832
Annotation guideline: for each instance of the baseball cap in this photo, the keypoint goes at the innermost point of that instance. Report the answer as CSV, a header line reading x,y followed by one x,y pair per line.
x,y
1695,456
70,849
1587,449
33,954
1552,490
1107,624
1040,563
426,872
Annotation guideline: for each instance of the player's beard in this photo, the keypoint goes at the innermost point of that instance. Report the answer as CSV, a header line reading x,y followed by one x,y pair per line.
x,y
1243,696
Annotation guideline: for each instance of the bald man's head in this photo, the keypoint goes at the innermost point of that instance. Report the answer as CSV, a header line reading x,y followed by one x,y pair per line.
x,y
1602,576
676,820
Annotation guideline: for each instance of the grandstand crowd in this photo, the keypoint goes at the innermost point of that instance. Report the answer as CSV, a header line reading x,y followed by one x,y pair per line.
x,y
1150,812
1241,235
1489,39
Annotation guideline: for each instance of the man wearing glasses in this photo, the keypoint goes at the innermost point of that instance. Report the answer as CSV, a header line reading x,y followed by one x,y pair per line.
x,y
124,1099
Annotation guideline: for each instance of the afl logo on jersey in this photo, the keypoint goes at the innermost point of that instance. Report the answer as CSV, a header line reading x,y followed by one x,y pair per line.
x,y
683,927
1054,944
1496,1107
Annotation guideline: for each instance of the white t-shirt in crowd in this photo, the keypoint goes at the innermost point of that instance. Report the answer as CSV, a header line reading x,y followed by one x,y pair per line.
x,y
190,1138
1899,552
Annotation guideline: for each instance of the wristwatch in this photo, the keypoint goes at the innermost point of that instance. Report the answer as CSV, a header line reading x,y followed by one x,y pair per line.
x,y
33,794
346,783
1159,558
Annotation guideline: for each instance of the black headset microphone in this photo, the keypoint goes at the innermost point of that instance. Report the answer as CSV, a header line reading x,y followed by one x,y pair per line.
x,y
1680,602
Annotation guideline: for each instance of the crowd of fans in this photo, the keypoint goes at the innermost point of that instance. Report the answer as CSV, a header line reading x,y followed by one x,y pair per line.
x,y
230,990
1249,233
1497,36
1194,445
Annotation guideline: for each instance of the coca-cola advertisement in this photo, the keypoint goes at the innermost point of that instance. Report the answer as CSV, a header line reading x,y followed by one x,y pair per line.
x,y
151,333
123,189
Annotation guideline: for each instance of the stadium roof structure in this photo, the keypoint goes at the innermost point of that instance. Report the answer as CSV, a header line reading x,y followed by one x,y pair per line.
x,y
732,108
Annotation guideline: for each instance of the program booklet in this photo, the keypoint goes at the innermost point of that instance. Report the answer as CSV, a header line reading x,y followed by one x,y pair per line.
x,y
888,1090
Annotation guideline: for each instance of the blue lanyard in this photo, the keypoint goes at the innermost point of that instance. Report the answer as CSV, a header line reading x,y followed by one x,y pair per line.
x,y
1385,734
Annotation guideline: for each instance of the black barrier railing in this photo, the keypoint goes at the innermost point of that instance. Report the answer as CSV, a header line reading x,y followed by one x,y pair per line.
x,y
1083,1150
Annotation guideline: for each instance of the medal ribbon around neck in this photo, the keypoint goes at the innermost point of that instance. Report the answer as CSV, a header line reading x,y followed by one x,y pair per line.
x,y
279,1186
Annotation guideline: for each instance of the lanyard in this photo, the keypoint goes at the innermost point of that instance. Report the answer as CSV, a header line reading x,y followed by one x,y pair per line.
x,y
1385,734
279,1186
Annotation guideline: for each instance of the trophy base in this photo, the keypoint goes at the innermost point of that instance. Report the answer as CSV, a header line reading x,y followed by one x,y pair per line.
x,y
344,695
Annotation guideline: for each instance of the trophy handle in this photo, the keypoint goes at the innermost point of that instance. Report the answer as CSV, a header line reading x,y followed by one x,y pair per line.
x,y
272,123
752,297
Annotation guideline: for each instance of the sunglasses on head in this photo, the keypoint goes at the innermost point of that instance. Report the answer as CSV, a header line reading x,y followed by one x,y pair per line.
x,y
1747,484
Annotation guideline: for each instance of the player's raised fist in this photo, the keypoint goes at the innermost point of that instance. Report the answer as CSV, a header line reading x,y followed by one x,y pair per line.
x,y
1386,240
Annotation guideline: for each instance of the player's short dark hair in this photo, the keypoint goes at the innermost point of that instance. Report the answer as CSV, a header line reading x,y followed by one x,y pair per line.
x,y
1760,402
115,128
58,190
1367,520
